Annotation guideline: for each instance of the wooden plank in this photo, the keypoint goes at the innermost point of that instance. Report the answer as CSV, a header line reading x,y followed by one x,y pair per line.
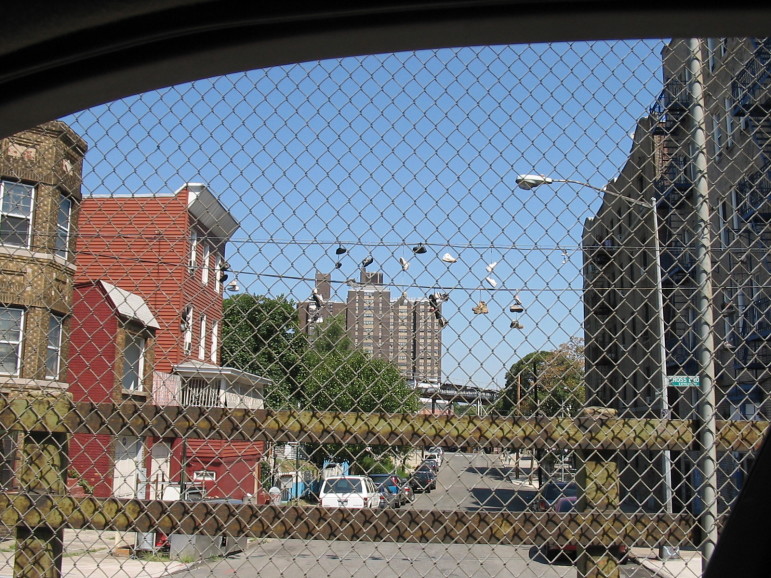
x,y
309,523
58,414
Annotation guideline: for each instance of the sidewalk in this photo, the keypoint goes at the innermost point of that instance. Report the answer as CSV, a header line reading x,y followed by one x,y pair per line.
x,y
87,554
686,565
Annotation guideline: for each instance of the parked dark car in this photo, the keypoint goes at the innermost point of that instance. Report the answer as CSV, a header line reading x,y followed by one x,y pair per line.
x,y
552,491
565,505
561,505
423,480
394,484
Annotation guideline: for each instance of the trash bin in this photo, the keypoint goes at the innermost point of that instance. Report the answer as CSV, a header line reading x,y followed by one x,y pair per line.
x,y
275,495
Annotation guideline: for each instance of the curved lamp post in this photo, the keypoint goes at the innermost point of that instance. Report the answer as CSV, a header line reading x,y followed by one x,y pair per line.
x,y
529,182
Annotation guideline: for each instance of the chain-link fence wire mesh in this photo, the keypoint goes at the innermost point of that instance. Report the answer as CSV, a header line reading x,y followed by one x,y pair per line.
x,y
500,232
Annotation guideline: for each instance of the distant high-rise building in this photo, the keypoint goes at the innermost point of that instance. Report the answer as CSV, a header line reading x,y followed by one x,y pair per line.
x,y
404,331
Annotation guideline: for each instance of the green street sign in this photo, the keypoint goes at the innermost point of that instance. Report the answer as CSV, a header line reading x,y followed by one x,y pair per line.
x,y
683,381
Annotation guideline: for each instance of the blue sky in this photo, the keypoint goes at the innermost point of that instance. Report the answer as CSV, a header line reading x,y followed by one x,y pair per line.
x,y
379,153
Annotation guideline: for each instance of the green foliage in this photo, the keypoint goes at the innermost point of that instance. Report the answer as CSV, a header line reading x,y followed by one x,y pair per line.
x,y
341,378
261,335
354,381
551,382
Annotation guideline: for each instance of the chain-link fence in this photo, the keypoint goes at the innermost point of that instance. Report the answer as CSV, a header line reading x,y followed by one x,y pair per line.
x,y
492,311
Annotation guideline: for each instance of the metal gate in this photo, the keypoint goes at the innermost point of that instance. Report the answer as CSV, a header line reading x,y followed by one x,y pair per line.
x,y
490,311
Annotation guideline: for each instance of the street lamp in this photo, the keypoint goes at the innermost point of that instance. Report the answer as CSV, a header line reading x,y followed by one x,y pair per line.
x,y
529,182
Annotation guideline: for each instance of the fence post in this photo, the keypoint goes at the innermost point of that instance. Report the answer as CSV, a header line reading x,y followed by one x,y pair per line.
x,y
42,470
598,484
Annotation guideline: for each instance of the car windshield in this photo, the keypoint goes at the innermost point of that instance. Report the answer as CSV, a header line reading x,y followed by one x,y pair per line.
x,y
380,478
554,491
565,505
342,486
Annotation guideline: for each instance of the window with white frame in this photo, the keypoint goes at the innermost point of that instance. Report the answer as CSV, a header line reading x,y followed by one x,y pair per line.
x,y
215,328
218,273
15,213
54,347
204,476
133,361
63,218
730,125
717,137
202,339
205,263
711,47
11,333
187,329
193,250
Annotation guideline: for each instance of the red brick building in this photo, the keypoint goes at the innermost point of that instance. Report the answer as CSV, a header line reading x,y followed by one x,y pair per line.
x,y
169,250
112,354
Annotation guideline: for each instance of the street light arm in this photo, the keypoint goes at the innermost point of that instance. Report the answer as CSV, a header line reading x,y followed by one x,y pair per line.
x,y
528,182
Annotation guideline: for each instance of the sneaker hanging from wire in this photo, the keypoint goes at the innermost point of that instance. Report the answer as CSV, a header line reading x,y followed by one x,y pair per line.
x,y
481,309
516,324
491,266
516,307
447,258
419,249
493,283
367,262
341,250
404,263
317,298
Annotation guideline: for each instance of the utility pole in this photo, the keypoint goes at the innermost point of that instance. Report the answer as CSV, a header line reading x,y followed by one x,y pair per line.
x,y
703,301
537,414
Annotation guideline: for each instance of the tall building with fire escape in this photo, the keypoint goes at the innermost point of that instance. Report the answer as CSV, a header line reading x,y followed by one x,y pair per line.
x,y
641,270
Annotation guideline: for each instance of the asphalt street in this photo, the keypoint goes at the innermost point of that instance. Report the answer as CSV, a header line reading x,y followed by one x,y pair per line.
x,y
466,482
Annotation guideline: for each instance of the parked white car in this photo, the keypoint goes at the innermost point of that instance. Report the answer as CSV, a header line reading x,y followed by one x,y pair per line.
x,y
436,457
349,492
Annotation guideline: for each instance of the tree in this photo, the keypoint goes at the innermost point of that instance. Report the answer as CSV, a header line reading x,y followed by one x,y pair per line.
x,y
341,378
261,335
551,382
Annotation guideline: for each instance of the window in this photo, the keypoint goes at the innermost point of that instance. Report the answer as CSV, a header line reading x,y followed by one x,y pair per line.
x,y
725,231
63,217
717,137
711,46
54,348
215,328
205,264
193,250
15,213
187,329
11,329
133,362
730,124
204,476
202,339
219,274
